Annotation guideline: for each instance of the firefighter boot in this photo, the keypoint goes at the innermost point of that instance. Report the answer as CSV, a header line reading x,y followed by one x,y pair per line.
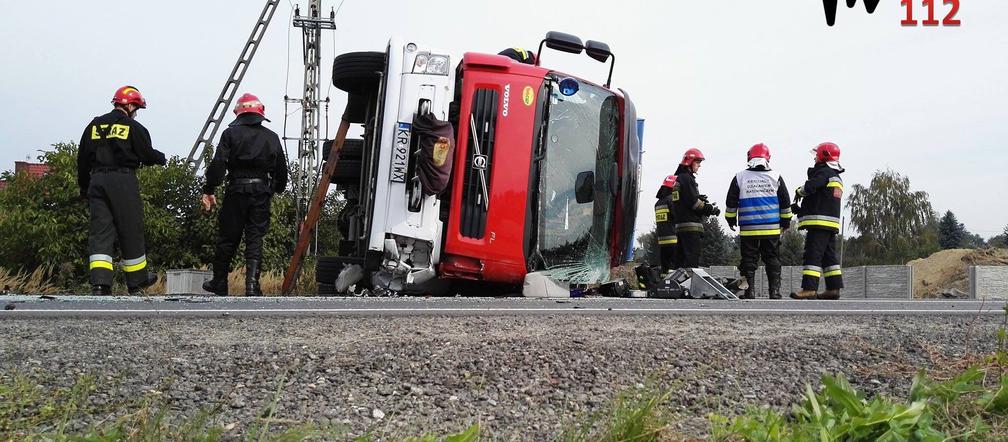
x,y
219,284
750,292
152,278
773,284
101,290
252,278
804,294
830,295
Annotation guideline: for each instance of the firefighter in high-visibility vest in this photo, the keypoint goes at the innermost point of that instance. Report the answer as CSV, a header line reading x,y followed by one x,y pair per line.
x,y
113,146
759,204
665,230
690,208
819,216
253,158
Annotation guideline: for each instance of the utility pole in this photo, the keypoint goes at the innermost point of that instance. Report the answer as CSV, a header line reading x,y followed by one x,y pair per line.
x,y
307,174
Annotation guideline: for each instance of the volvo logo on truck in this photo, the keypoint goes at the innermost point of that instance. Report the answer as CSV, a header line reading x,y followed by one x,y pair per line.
x,y
507,99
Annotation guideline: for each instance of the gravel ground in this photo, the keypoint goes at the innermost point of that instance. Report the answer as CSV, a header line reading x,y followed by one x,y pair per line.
x,y
521,378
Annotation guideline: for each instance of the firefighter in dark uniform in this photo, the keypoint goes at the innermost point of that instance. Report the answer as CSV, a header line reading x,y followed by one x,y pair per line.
x,y
256,167
113,146
819,216
665,230
759,204
690,208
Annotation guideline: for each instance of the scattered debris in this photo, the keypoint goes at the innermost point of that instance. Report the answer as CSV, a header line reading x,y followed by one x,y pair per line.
x,y
48,297
9,307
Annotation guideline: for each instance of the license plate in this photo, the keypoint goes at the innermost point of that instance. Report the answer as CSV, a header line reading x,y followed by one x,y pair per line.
x,y
400,152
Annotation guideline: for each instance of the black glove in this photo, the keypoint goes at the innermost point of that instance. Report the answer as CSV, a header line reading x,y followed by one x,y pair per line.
x,y
712,210
796,209
703,198
784,225
732,223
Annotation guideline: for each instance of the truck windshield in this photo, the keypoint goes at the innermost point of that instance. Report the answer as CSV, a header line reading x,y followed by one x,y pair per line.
x,y
582,135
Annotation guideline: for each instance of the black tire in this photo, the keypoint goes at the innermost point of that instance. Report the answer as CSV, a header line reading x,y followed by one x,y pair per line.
x,y
327,269
326,289
353,149
358,72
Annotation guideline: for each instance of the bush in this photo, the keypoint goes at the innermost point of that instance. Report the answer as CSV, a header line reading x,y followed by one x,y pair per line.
x,y
44,223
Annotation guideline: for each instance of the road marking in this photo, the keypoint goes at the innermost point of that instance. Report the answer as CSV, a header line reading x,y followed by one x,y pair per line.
x,y
997,311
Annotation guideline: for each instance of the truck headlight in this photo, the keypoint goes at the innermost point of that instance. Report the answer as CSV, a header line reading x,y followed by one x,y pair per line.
x,y
433,64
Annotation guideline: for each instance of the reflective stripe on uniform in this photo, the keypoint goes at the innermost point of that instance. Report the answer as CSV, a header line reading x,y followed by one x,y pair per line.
x,y
134,265
689,227
819,220
832,271
668,240
100,265
835,182
100,261
770,232
760,230
698,205
814,271
731,212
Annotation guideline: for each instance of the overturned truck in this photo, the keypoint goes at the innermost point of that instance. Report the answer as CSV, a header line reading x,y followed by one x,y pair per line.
x,y
484,172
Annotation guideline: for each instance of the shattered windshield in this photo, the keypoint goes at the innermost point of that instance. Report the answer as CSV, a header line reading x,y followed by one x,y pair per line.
x,y
582,135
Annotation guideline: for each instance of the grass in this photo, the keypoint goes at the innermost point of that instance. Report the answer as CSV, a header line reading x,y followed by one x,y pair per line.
x,y
36,282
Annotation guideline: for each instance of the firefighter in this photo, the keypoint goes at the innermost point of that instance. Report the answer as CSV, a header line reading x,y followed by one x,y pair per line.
x,y
112,147
819,216
690,208
518,54
759,204
665,229
256,168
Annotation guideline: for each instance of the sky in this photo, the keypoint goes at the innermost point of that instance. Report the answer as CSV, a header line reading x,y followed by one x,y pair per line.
x,y
928,102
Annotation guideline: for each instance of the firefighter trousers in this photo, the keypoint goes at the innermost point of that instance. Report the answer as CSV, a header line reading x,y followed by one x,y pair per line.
x,y
821,260
241,214
116,214
754,248
667,256
688,252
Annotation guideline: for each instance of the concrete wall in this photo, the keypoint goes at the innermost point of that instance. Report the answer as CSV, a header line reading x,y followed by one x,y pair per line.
x,y
871,282
988,282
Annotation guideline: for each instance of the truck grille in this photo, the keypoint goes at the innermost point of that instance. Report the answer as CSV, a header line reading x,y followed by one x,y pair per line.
x,y
479,157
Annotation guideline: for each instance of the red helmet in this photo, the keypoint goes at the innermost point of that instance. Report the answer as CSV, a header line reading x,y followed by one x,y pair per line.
x,y
129,95
758,151
249,103
691,156
669,182
826,152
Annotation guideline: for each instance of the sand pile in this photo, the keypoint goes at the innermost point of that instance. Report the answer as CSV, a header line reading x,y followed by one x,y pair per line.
x,y
947,269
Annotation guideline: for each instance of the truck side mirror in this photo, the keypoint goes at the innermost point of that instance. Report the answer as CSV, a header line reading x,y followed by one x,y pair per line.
x,y
584,187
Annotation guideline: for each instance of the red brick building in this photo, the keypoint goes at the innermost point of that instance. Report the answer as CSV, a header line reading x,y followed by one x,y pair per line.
x,y
32,169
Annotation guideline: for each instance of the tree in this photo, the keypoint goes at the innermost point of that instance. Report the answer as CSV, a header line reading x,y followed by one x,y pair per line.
x,y
717,246
647,253
792,246
1000,240
896,223
951,233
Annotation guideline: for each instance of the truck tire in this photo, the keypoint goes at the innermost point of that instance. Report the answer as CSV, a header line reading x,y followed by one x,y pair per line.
x,y
358,72
353,149
327,269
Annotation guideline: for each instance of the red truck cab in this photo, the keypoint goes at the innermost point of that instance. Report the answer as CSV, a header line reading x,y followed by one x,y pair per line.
x,y
544,178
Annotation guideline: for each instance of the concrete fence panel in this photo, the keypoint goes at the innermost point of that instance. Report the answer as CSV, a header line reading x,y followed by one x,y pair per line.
x,y
888,282
988,282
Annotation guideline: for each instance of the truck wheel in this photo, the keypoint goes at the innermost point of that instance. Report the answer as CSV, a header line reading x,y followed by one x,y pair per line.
x,y
327,269
358,72
353,149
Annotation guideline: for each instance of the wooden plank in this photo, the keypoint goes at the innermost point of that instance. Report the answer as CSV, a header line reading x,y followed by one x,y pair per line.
x,y
314,210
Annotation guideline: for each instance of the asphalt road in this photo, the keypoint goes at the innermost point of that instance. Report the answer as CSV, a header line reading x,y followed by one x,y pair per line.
x,y
62,306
